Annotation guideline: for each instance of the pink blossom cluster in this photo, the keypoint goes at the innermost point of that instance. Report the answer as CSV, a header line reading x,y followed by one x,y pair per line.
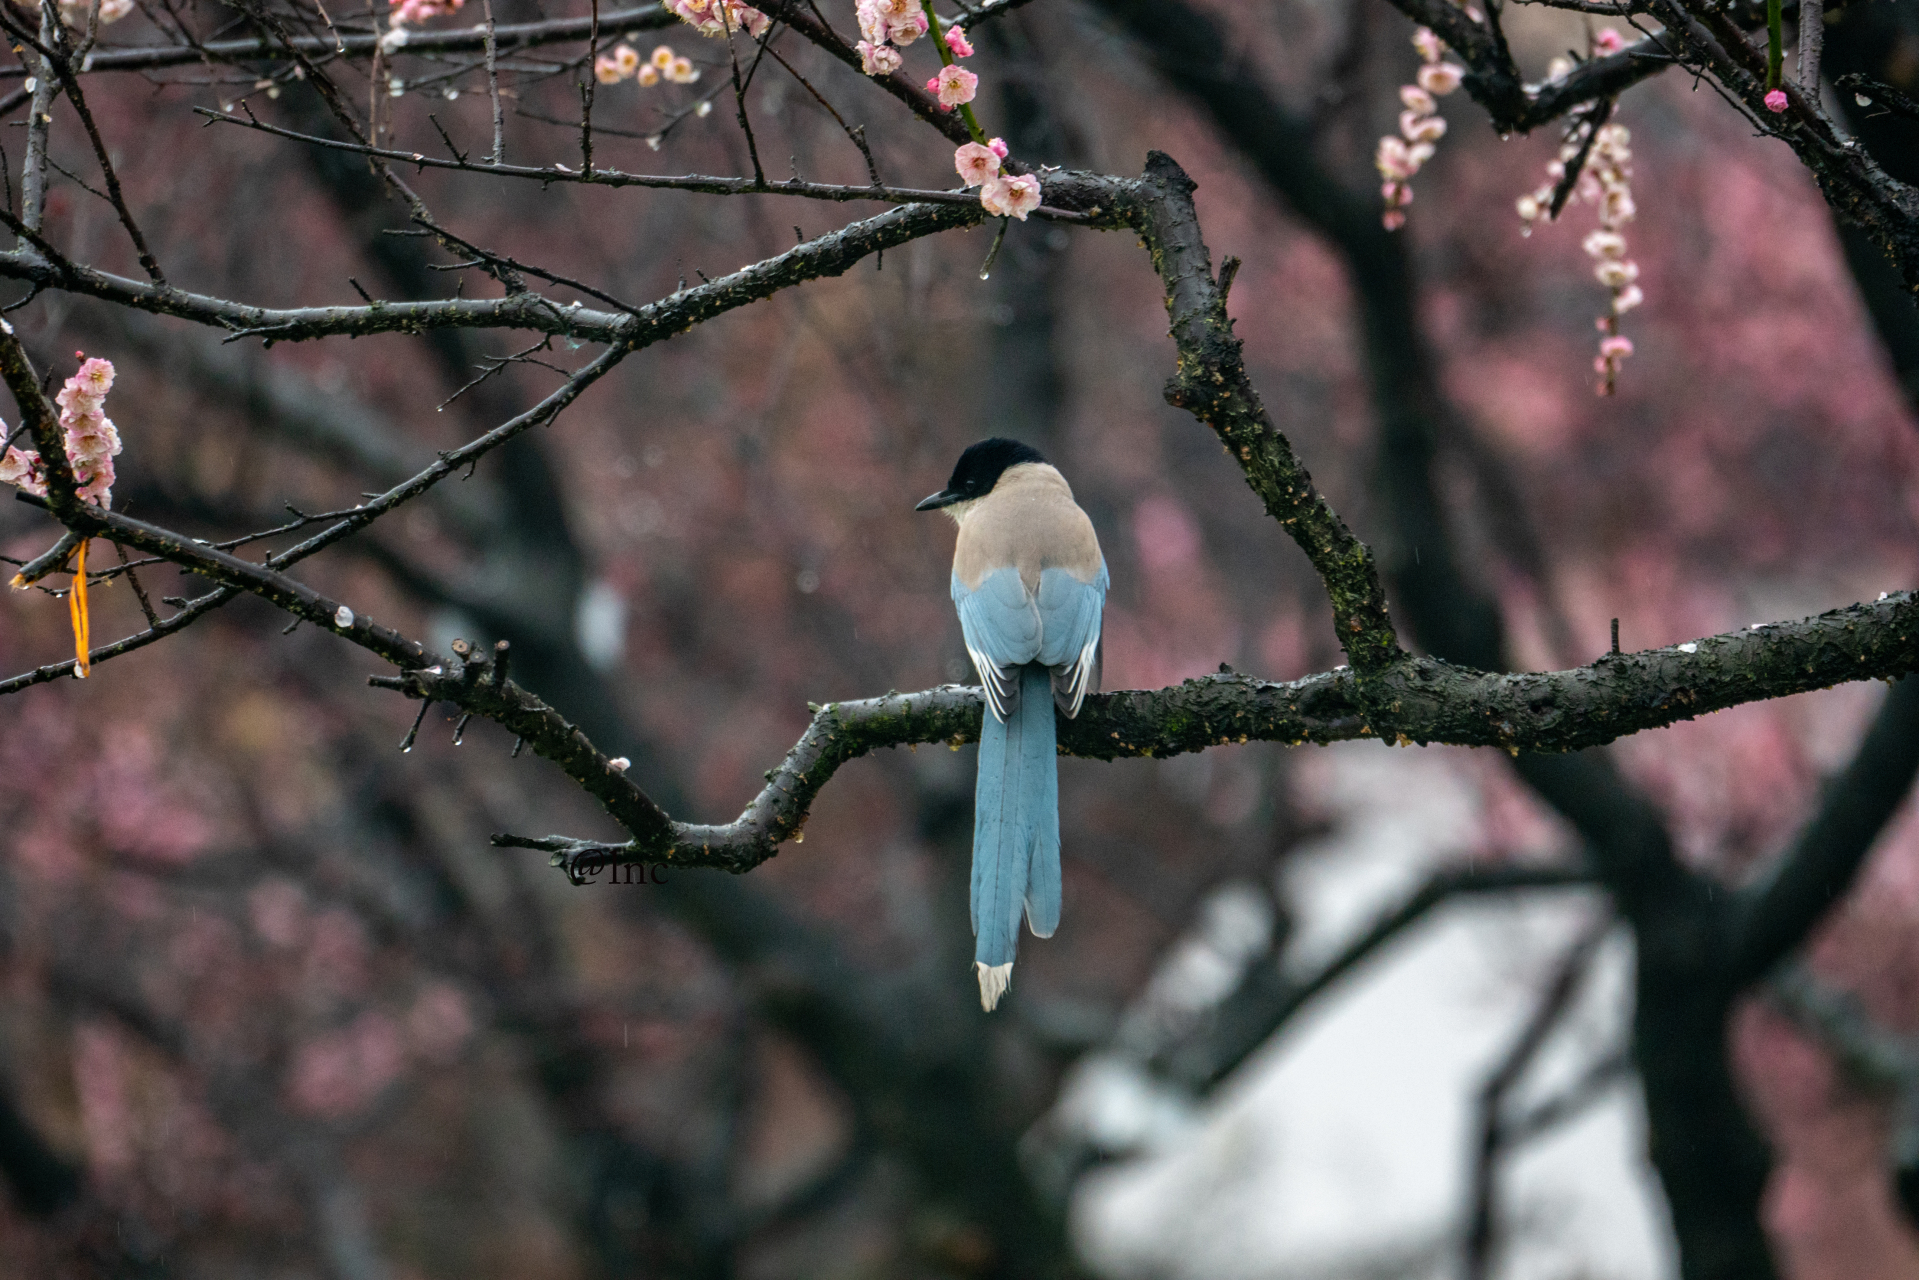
x,y
1399,157
1002,196
624,63
1606,184
717,17
1611,166
91,439
411,13
886,27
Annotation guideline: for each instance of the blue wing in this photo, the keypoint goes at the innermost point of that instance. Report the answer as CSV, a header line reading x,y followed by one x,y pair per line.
x,y
1002,630
1069,613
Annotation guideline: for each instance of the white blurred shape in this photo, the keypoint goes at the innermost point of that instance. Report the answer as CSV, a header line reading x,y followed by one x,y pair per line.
x,y
1342,1149
599,623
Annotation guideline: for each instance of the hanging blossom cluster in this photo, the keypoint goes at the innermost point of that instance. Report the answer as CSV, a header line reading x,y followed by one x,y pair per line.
x,y
886,27
1538,204
1605,183
717,17
91,440
624,63
1612,165
1399,157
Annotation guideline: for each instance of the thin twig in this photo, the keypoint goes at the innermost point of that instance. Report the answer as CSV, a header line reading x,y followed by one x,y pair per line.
x,y
115,196
1569,179
739,101
139,592
618,178
493,84
586,94
858,135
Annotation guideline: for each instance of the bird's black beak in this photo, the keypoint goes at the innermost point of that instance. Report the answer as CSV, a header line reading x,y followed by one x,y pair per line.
x,y
943,498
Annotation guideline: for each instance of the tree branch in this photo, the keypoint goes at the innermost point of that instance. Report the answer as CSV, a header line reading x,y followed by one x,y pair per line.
x,y
1212,384
1417,700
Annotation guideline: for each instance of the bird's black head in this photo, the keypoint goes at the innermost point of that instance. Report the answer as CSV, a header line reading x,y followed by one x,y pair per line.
x,y
979,469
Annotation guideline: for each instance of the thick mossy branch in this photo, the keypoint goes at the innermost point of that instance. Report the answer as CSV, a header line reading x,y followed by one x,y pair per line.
x,y
1211,383
1416,700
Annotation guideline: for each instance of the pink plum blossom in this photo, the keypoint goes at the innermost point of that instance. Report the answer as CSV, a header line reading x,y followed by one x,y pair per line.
x,y
1776,101
1608,41
1430,46
1010,197
953,86
1418,128
976,163
956,41
878,59
999,147
1616,274
898,21
1392,159
1417,100
413,12
1441,78
904,31
21,467
717,17
1605,244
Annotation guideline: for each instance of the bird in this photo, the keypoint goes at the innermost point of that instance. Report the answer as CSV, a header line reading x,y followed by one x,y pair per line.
x,y
1030,586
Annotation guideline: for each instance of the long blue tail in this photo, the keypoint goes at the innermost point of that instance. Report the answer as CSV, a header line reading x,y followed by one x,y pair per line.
x,y
1015,832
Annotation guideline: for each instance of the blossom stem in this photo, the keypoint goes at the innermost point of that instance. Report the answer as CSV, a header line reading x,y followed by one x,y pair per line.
x,y
947,60
1775,44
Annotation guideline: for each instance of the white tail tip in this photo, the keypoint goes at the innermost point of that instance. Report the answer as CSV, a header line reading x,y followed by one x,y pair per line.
x,y
993,981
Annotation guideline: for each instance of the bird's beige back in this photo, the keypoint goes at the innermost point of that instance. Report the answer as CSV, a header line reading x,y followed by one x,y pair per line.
x,y
1030,521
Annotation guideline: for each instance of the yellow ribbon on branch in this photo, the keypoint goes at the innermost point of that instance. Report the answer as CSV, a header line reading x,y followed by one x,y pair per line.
x,y
77,608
